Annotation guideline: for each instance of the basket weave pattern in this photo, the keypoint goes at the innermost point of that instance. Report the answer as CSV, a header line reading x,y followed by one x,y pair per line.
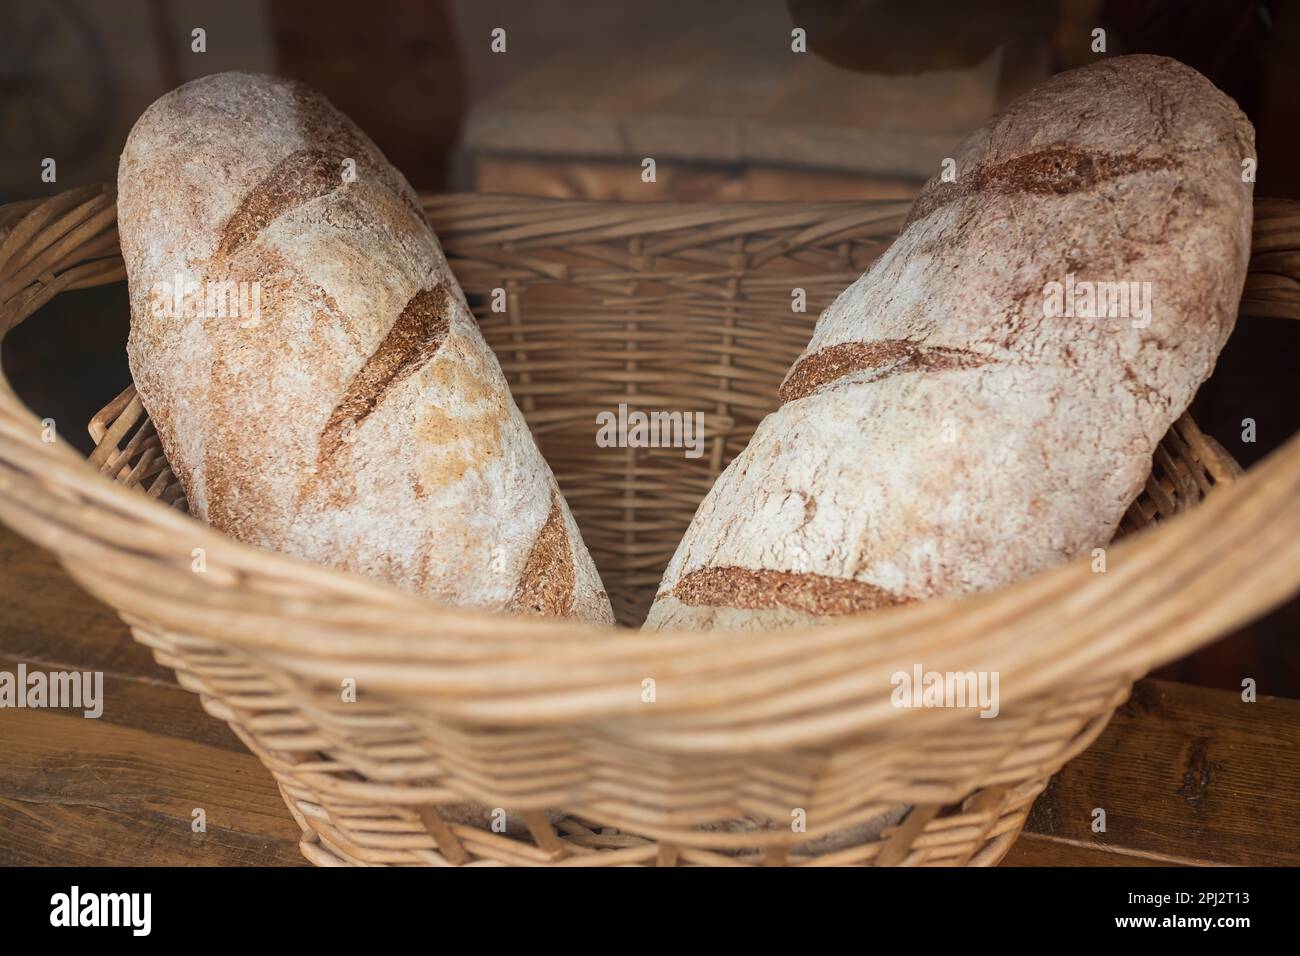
x,y
660,306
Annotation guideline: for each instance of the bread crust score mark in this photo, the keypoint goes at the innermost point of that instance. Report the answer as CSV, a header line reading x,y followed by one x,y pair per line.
x,y
414,339
546,582
1056,170
890,356
303,175
320,123
761,589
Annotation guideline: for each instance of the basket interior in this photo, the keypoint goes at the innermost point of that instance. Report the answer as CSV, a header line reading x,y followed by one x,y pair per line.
x,y
681,315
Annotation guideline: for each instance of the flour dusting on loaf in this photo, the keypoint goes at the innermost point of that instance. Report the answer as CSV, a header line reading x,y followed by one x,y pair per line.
x,y
962,417
355,417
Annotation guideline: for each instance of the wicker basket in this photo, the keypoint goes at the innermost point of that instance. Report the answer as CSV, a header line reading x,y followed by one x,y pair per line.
x,y
658,306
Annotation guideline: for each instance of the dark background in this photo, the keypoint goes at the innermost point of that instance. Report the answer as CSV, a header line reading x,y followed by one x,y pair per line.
x,y
587,88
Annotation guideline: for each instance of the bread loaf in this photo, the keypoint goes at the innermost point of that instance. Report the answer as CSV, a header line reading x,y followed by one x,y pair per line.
x,y
349,411
962,418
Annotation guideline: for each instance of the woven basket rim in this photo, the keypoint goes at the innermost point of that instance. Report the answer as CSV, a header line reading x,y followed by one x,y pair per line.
x,y
1166,591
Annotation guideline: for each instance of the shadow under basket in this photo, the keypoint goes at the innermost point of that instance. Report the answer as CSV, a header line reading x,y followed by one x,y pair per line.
x,y
483,739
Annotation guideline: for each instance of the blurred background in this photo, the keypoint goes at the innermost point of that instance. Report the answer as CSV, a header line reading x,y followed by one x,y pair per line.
x,y
587,88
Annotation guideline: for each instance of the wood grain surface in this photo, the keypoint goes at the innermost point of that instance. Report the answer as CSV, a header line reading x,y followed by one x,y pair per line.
x,y
1185,774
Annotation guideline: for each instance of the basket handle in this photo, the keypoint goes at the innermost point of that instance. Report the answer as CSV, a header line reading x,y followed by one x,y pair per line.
x,y
48,246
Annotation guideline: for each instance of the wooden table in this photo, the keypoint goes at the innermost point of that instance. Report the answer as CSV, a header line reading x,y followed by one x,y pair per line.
x,y
1185,774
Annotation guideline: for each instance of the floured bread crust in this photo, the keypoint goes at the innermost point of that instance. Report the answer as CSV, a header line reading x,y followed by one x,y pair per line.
x,y
361,421
942,433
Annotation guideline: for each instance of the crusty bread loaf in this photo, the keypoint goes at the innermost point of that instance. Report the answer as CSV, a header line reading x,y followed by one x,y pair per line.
x,y
350,413
948,429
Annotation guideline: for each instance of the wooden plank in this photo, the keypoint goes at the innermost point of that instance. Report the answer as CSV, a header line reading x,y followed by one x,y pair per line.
x,y
1189,773
94,791
120,789
156,708
55,834
46,619
1034,849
